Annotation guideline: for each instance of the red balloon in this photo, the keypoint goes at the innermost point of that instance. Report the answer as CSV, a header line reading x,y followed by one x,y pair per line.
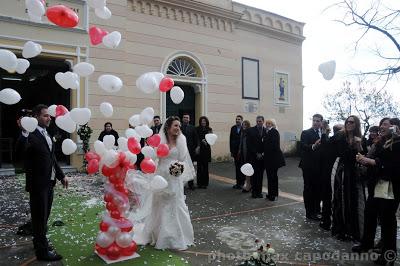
x,y
107,171
104,226
100,250
162,150
61,110
108,197
130,250
115,180
96,35
154,140
93,166
166,84
119,187
62,16
90,155
115,214
111,206
121,157
127,229
134,146
113,252
148,166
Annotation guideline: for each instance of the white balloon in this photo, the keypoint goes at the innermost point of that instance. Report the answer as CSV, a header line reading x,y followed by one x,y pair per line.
x,y
34,18
22,65
104,240
131,157
113,231
106,109
99,147
110,83
122,143
29,123
109,141
8,60
103,13
328,69
35,7
177,95
83,69
9,96
134,120
31,49
247,169
158,183
211,139
130,132
144,131
112,39
124,239
80,115
148,152
52,110
110,158
66,123
147,115
67,80
96,3
68,147
149,82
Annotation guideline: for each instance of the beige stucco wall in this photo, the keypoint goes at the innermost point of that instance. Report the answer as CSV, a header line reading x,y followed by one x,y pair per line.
x,y
153,30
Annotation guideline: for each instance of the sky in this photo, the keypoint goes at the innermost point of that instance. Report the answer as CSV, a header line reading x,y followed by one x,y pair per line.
x,y
327,40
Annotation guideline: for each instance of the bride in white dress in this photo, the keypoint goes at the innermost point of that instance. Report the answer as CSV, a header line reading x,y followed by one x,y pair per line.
x,y
168,225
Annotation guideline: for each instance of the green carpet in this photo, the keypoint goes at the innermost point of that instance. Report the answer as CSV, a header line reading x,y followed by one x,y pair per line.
x,y
75,240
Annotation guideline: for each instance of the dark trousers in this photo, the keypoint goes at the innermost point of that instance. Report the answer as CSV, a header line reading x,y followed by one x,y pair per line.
x,y
272,176
370,222
203,176
311,192
257,178
239,175
326,197
40,201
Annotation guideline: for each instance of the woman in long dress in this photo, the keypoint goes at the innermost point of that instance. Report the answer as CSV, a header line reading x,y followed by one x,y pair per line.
x,y
168,225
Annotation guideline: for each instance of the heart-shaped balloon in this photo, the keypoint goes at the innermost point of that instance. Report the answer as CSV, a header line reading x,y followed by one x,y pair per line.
x,y
99,147
110,83
96,3
52,110
162,150
62,16
29,123
96,35
144,131
34,18
122,144
134,120
83,69
31,49
67,80
8,60
147,115
81,115
177,95
9,96
68,147
133,145
148,166
149,82
211,138
247,169
66,123
112,39
131,133
154,140
106,109
148,152
166,84
328,69
61,110
22,65
35,7
103,12
109,141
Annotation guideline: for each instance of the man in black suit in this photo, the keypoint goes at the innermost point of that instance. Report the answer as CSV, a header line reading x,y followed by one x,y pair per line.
x,y
42,170
192,140
234,141
255,148
310,164
157,124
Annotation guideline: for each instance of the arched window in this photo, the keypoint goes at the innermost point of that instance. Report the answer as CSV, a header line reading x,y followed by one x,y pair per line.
x,y
182,67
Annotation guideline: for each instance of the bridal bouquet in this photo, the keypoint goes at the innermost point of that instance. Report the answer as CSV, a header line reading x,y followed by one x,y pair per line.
x,y
176,169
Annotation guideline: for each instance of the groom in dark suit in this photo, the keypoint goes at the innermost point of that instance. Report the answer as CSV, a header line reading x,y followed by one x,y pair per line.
x,y
255,149
234,141
310,164
42,170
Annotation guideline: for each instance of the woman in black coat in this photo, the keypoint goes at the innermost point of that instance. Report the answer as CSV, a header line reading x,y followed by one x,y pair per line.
x,y
273,158
243,158
204,154
108,130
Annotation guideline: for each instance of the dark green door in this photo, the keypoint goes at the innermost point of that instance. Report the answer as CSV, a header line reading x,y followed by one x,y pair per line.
x,y
186,106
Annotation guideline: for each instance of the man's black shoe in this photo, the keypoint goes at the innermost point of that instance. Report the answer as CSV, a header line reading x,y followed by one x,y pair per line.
x,y
48,255
271,198
325,226
360,248
237,187
313,217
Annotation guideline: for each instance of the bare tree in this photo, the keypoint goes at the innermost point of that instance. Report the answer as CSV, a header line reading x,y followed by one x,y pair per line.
x,y
363,100
381,19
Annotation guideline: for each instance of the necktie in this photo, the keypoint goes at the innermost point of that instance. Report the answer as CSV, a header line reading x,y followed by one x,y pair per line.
x,y
260,131
48,139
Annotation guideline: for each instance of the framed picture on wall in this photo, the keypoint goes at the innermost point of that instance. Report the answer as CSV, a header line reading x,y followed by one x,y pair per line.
x,y
281,88
250,79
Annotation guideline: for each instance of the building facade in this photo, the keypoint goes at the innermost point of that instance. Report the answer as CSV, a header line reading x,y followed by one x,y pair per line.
x,y
228,58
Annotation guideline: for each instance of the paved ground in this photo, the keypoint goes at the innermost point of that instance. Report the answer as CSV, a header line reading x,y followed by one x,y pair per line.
x,y
226,223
